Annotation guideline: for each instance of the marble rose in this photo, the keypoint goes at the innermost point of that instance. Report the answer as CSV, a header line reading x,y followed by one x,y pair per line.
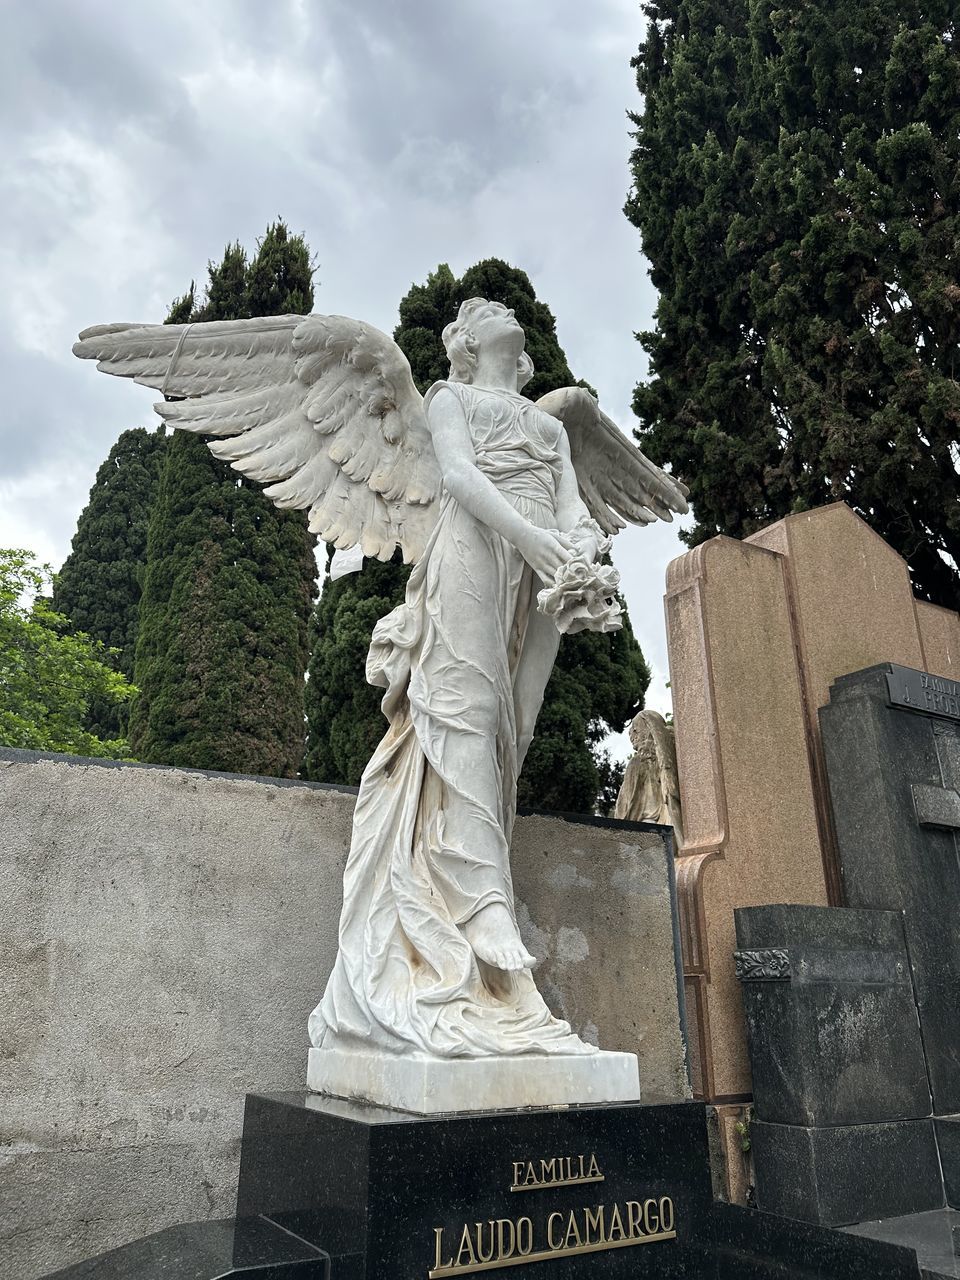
x,y
505,507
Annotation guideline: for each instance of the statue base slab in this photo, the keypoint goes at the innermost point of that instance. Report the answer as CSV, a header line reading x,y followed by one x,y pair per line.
x,y
435,1086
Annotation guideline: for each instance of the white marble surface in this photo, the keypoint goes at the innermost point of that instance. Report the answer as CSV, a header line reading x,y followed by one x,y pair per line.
x,y
431,1086
506,507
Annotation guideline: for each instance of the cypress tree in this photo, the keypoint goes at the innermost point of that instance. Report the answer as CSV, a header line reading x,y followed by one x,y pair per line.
x,y
229,583
599,680
99,585
796,180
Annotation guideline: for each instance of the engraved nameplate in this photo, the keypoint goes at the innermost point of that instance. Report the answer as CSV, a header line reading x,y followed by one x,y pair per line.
x,y
543,1236
920,691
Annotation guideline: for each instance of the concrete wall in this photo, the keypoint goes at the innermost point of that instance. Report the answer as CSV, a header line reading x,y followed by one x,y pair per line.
x,y
166,934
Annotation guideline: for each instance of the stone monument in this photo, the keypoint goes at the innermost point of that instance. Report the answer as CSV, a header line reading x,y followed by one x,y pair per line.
x,y
506,508
841,1130
486,1151
852,1011
891,738
757,632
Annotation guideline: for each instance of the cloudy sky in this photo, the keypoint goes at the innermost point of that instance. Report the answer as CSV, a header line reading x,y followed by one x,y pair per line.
x,y
140,138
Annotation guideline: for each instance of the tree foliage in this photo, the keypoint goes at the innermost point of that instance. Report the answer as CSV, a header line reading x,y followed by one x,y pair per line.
x,y
599,680
229,583
49,676
98,588
796,180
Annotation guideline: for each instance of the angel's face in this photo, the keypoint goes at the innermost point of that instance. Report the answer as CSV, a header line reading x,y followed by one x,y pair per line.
x,y
497,325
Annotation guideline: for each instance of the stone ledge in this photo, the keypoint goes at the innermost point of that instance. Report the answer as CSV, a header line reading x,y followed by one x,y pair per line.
x,y
431,1086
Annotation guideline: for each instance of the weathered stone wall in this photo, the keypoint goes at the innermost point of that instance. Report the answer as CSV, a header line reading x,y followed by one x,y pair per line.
x,y
167,932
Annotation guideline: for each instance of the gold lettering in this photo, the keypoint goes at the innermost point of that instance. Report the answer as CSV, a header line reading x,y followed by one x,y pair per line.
x,y
558,1171
438,1233
507,1243
666,1204
616,1224
634,1214
524,1225
594,1221
573,1231
485,1255
554,1244
504,1250
465,1243
651,1219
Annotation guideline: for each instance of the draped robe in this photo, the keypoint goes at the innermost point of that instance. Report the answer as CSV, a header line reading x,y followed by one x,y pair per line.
x,y
434,816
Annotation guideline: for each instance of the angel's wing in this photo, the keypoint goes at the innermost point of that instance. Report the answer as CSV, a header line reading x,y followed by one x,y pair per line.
x,y
322,410
617,482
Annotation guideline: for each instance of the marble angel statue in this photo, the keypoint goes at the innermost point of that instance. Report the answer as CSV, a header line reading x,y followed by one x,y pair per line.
x,y
504,507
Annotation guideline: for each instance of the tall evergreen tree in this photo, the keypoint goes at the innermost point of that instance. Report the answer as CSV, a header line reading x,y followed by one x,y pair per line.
x,y
796,180
222,645
599,680
99,585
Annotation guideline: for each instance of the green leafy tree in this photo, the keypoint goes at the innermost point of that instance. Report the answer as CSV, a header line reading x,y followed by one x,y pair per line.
x,y
222,645
796,180
599,680
98,588
49,677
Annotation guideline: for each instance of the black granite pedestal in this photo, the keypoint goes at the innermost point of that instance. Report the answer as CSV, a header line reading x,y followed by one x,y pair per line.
x,y
597,1191
581,1193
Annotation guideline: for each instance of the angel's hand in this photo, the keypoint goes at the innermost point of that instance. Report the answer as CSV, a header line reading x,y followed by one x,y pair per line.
x,y
545,550
587,542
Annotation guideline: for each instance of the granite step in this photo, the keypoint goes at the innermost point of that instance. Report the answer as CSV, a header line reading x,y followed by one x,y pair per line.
x,y
252,1248
934,1237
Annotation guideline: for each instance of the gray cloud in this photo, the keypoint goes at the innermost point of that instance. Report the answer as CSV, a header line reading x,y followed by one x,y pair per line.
x,y
141,138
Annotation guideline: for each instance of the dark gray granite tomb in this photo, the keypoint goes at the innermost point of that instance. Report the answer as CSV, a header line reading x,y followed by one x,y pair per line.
x,y
853,1013
891,738
842,1127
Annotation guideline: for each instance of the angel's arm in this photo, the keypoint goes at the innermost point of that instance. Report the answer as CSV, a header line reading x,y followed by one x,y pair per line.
x,y
571,508
476,493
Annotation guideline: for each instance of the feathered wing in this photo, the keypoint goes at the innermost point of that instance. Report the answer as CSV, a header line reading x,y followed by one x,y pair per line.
x,y
321,410
617,482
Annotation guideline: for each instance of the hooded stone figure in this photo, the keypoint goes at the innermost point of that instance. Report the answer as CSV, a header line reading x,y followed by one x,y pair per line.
x,y
651,788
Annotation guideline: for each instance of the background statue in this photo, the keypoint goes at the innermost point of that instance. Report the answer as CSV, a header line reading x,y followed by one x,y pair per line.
x,y
505,507
651,789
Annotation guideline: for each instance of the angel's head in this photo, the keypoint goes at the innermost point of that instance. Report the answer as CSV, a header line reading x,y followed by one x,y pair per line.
x,y
462,338
645,727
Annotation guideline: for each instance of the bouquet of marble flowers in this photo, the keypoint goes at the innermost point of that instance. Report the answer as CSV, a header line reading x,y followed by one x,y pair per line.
x,y
583,594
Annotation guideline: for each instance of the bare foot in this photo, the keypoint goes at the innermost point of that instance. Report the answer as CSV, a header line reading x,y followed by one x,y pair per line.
x,y
494,938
